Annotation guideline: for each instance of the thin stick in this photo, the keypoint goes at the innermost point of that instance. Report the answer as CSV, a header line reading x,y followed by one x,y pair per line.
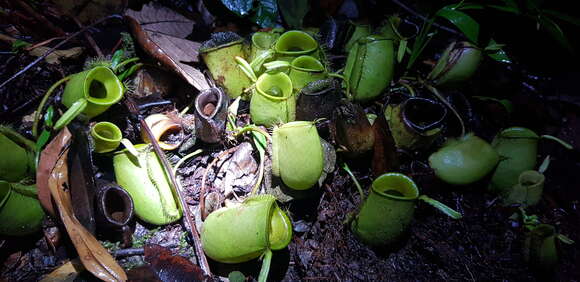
x,y
89,38
187,217
29,66
203,179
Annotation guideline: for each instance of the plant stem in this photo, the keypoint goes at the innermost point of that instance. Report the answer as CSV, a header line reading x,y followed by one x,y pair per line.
x,y
121,64
253,128
562,142
265,266
440,206
38,113
356,183
187,157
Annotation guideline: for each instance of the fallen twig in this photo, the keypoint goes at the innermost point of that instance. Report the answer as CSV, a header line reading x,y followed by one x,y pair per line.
x,y
33,63
90,39
189,224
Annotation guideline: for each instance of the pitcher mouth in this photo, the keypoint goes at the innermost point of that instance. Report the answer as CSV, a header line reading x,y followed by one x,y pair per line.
x,y
304,37
397,186
99,84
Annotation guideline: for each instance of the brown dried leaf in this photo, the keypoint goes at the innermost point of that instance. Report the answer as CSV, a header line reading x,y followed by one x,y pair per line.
x,y
56,55
169,267
66,272
92,254
160,31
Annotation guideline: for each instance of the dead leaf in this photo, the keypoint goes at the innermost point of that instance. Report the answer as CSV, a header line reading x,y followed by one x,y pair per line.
x,y
169,267
56,55
160,31
66,272
92,254
48,158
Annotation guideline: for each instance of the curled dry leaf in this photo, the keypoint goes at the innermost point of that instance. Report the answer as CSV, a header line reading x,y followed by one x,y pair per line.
x,y
94,257
160,31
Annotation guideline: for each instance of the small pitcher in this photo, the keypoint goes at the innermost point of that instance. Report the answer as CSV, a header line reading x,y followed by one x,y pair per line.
x,y
389,208
305,69
295,43
273,100
107,136
90,93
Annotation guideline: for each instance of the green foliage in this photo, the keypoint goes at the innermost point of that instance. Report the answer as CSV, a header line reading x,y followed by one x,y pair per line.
x,y
293,11
266,13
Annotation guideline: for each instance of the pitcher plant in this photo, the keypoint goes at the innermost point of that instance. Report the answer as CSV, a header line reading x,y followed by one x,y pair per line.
x,y
415,123
457,64
144,177
369,67
246,231
273,100
388,210
297,156
20,210
295,43
219,54
89,94
464,160
106,136
17,161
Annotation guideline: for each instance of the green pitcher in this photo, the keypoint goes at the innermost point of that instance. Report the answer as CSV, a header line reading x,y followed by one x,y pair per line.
x,y
90,93
464,160
369,67
356,32
388,210
20,211
297,156
518,147
295,43
261,48
245,231
107,136
145,179
528,191
219,54
17,161
304,70
540,249
273,100
415,123
457,64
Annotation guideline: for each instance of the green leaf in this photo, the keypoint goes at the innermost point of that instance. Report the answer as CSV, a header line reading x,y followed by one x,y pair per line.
x,y
462,21
266,13
569,19
441,207
294,11
401,51
19,44
48,116
498,53
117,57
239,7
556,32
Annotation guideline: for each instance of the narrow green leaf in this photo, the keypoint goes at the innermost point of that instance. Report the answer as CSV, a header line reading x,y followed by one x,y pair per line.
x,y
48,116
294,11
556,32
561,16
545,164
565,239
499,55
402,49
440,206
117,57
462,21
